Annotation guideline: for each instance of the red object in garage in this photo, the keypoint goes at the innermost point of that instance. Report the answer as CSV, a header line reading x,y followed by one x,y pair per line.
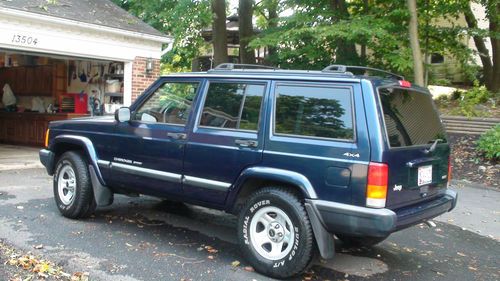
x,y
73,103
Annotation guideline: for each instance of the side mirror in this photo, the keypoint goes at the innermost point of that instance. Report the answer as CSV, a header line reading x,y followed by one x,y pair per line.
x,y
122,114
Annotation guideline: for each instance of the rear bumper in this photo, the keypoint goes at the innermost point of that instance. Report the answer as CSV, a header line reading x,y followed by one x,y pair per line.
x,y
361,221
47,159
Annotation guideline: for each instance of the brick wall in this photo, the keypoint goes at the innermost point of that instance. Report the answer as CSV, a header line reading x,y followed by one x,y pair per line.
x,y
140,79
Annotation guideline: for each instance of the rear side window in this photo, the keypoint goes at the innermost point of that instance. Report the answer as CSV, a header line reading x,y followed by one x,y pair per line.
x,y
233,106
410,118
314,111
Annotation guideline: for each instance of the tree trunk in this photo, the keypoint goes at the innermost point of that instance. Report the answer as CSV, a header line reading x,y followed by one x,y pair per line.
x,y
494,17
245,13
418,69
219,32
484,54
345,51
272,23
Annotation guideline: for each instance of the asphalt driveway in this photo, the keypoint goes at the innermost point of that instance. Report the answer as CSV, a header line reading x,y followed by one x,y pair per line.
x,y
148,239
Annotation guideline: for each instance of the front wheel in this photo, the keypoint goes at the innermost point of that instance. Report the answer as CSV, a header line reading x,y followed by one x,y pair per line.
x,y
274,233
72,186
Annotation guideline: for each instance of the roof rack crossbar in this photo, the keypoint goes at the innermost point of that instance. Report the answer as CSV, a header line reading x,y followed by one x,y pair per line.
x,y
343,68
232,66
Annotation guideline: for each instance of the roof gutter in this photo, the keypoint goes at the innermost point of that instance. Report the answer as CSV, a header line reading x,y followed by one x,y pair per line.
x,y
67,22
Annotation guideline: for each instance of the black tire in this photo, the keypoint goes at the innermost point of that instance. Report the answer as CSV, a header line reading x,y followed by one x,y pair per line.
x,y
299,256
82,204
351,241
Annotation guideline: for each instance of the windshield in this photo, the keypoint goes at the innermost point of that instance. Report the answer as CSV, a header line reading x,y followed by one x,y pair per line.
x,y
410,117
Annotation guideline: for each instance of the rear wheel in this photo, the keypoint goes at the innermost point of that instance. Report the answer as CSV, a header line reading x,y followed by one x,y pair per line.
x,y
352,241
275,234
72,186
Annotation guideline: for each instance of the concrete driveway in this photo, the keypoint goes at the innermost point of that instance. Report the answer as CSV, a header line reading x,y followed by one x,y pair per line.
x,y
18,157
148,239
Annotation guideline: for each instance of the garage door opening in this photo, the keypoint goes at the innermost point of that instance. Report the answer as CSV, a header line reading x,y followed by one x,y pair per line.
x,y
39,88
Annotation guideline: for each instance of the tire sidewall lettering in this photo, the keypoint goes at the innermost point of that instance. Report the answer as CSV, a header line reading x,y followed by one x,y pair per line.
x,y
246,235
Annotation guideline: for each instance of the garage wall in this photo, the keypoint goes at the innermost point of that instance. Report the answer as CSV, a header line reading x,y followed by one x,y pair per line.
x,y
140,79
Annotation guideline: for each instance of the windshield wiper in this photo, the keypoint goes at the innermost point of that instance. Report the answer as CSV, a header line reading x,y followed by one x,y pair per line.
x,y
433,146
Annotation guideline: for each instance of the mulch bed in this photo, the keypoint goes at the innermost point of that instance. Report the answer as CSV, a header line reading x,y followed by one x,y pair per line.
x,y
469,165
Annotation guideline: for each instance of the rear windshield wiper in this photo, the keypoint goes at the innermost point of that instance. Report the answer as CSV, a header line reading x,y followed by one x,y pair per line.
x,y
433,146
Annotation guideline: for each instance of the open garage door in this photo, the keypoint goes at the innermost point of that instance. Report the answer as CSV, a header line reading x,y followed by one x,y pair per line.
x,y
39,88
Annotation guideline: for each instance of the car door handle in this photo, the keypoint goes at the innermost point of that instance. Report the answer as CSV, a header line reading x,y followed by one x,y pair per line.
x,y
246,143
177,136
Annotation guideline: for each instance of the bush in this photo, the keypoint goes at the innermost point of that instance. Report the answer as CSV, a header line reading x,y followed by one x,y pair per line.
x,y
489,143
441,82
467,103
477,94
456,95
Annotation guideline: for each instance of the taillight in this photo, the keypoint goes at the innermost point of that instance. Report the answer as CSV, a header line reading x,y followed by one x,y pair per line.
x,y
404,84
376,188
47,138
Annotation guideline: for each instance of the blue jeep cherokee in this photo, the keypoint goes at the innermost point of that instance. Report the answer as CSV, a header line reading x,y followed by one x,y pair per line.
x,y
298,156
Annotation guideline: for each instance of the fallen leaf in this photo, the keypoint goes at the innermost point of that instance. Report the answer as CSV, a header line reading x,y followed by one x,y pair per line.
x,y
38,247
235,263
128,245
249,269
210,257
461,254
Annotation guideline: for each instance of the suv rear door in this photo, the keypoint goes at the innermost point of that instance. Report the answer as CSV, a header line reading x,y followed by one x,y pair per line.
x,y
417,151
317,129
225,138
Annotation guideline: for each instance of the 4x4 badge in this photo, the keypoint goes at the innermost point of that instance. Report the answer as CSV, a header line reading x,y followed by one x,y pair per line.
x,y
348,154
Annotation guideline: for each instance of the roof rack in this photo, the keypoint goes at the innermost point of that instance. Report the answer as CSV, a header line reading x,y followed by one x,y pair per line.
x,y
337,68
233,66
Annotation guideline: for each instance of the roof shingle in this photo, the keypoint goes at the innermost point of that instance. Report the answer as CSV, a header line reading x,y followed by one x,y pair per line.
x,y
99,12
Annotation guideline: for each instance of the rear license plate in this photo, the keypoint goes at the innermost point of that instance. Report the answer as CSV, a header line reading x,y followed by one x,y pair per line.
x,y
424,175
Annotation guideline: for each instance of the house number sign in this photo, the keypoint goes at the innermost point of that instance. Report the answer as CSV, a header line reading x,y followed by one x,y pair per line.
x,y
24,40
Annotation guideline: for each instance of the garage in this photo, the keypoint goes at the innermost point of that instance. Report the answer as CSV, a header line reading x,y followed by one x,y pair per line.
x,y
67,59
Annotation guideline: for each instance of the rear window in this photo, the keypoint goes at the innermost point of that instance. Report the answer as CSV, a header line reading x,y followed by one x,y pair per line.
x,y
410,118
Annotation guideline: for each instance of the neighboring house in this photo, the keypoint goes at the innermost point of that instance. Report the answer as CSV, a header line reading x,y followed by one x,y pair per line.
x,y
93,48
444,66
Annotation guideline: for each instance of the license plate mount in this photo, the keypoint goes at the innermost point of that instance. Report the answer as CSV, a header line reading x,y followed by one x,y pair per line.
x,y
424,175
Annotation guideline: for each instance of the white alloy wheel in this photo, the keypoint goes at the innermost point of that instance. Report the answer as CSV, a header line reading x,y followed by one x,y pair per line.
x,y
66,184
272,233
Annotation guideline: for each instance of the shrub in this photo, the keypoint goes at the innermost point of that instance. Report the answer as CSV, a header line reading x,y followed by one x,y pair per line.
x,y
467,103
441,82
456,95
477,94
489,143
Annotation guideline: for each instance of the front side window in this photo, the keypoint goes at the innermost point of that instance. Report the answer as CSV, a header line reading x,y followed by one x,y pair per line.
x,y
314,111
170,103
232,106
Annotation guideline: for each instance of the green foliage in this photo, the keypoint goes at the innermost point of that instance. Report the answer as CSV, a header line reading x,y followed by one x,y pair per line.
x,y
311,37
477,94
469,101
456,95
489,143
440,82
183,19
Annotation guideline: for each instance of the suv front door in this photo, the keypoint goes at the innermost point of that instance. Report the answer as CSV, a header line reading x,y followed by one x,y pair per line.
x,y
225,138
149,150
